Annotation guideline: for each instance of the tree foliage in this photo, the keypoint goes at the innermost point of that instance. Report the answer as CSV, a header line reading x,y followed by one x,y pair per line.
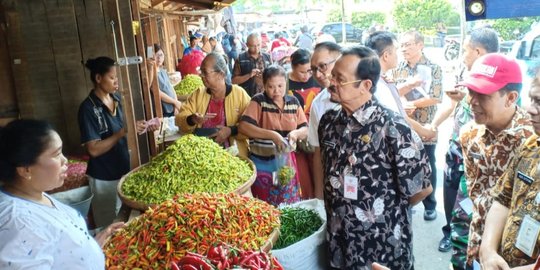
x,y
362,20
513,28
423,15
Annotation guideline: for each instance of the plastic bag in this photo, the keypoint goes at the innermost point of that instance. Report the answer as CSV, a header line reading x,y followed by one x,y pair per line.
x,y
190,63
308,253
285,170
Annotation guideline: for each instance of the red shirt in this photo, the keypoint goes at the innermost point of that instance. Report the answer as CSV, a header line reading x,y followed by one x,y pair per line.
x,y
280,42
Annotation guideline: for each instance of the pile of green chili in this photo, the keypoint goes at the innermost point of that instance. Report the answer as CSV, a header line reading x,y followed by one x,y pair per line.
x,y
192,164
297,224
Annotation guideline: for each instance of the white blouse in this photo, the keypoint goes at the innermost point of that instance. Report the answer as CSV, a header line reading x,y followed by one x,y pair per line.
x,y
36,236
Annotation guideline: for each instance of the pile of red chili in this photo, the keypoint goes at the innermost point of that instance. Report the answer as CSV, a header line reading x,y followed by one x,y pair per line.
x,y
226,257
191,223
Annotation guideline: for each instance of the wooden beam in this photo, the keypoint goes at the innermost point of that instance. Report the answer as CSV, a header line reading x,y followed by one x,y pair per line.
x,y
156,2
113,9
194,4
154,38
144,78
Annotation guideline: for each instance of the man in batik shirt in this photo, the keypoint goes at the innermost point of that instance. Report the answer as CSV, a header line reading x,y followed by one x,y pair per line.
x,y
420,81
516,204
490,141
375,169
480,41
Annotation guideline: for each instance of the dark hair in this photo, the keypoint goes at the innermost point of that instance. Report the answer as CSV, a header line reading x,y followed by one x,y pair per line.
x,y
157,48
192,38
99,66
273,71
328,45
486,38
300,57
511,87
380,41
21,143
277,35
212,39
369,67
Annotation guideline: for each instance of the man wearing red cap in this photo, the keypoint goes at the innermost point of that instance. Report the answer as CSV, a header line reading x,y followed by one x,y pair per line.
x,y
492,139
515,212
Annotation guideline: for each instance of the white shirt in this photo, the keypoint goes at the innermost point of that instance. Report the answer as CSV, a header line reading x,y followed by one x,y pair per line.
x,y
385,97
320,105
389,98
36,236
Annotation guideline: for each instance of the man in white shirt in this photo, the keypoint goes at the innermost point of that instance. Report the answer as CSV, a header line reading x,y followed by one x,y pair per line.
x,y
385,45
323,59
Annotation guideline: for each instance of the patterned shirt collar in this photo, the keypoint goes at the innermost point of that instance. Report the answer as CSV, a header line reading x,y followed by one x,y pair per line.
x,y
423,61
364,114
519,119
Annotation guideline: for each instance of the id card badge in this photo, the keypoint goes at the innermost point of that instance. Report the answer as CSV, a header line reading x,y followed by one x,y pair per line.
x,y
350,190
467,206
527,235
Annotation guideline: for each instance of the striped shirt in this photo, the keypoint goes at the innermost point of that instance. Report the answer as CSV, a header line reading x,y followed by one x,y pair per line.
x,y
264,113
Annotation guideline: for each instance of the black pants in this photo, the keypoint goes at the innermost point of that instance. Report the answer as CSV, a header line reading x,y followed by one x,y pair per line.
x,y
452,177
429,202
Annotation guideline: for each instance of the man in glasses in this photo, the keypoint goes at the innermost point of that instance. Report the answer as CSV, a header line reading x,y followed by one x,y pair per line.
x,y
375,169
323,59
249,66
492,140
420,81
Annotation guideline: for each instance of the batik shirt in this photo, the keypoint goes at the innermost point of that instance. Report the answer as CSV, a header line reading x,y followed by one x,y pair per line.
x,y
519,190
433,87
486,157
376,146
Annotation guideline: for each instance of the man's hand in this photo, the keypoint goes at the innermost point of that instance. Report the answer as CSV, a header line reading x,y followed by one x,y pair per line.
x,y
493,261
255,72
456,95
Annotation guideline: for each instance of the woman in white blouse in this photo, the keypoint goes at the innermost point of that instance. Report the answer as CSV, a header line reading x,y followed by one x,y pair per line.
x,y
37,231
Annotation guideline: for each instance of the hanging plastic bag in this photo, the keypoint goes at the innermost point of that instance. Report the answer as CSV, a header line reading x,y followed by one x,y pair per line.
x,y
191,62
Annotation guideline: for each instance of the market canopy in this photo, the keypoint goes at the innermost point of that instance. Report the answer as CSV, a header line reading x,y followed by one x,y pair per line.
x,y
186,5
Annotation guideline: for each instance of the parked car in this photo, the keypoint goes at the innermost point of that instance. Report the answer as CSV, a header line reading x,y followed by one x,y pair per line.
x,y
527,51
353,34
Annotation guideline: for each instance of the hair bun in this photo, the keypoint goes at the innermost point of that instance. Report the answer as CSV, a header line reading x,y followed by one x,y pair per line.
x,y
90,64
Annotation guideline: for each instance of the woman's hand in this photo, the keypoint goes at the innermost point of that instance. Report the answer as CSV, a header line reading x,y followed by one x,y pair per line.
x,y
177,105
140,126
278,141
197,118
102,236
222,135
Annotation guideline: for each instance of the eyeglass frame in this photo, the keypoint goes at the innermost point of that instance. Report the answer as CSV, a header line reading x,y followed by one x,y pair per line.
x,y
318,68
206,73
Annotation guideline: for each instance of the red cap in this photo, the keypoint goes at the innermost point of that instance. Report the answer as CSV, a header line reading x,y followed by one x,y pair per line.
x,y
491,72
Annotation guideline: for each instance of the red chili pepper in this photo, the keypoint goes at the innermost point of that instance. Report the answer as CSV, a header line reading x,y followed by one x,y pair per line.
x,y
189,267
276,264
174,266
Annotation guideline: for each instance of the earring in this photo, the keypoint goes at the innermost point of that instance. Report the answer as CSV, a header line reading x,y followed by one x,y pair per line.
x,y
29,177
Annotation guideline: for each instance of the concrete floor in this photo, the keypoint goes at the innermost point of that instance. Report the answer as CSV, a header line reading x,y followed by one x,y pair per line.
x,y
427,234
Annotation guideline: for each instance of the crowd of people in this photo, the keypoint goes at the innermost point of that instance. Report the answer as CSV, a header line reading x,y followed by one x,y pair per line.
x,y
359,128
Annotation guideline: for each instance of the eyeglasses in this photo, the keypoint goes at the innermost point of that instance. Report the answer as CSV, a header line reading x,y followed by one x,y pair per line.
x,y
206,73
322,67
407,44
340,83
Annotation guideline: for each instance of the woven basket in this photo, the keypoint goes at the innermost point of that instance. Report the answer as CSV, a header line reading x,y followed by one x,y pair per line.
x,y
244,189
